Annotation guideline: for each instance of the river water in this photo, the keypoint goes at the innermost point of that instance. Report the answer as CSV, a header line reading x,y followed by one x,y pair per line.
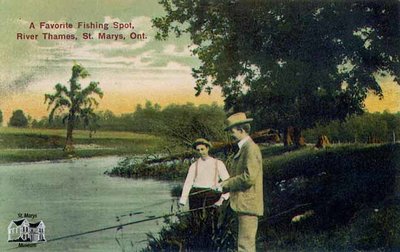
x,y
73,197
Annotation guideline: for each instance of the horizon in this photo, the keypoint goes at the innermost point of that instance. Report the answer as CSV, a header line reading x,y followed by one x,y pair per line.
x,y
130,69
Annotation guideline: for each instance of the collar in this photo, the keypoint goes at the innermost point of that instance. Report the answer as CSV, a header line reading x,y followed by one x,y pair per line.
x,y
243,141
207,158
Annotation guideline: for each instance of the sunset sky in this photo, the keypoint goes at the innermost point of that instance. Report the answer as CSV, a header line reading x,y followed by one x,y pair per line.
x,y
130,71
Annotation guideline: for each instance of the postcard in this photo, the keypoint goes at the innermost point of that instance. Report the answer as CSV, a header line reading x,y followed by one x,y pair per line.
x,y
114,114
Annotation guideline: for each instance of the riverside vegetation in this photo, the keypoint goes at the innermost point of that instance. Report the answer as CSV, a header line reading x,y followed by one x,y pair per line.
x,y
27,145
338,198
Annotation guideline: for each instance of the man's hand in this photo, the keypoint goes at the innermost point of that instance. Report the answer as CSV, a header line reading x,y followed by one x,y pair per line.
x,y
217,188
219,202
182,201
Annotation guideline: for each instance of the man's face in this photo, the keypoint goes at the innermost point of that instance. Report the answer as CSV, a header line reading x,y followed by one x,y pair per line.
x,y
202,150
236,134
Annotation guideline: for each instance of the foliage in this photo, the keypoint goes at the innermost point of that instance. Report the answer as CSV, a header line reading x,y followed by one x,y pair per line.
x,y
137,168
184,123
27,144
79,134
147,118
79,103
373,228
367,128
180,124
289,62
335,184
1,117
203,230
18,119
338,183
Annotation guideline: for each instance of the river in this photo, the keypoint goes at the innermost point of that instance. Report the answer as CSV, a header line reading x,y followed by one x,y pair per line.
x,y
74,196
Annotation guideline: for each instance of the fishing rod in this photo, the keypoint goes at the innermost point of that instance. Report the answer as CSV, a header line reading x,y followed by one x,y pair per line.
x,y
137,210
202,191
166,216
129,223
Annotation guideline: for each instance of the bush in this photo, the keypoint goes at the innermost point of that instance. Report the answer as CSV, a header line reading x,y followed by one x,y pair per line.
x,y
374,228
366,128
337,181
338,185
18,119
136,168
203,230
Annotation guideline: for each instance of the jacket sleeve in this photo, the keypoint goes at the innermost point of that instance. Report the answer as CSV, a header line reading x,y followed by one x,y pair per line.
x,y
251,169
223,175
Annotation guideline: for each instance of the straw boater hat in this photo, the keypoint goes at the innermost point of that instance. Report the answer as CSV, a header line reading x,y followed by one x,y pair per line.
x,y
201,141
237,119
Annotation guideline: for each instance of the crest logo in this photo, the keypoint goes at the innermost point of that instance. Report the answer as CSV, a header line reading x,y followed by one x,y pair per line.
x,y
22,231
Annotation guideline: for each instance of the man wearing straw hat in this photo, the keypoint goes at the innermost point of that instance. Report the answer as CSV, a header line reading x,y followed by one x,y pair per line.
x,y
246,182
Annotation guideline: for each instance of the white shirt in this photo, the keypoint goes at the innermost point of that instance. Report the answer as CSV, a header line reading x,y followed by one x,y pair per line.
x,y
206,176
241,142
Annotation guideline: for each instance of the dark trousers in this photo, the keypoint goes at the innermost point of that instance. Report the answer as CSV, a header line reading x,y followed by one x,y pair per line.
x,y
202,199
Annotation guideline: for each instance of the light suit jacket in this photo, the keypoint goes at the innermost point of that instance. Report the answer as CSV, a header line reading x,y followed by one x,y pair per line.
x,y
246,182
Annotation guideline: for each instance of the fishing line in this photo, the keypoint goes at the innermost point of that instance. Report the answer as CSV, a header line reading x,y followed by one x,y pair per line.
x,y
201,191
159,217
136,211
127,224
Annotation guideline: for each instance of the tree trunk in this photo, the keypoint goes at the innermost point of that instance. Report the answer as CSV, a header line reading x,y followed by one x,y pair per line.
x,y
322,142
288,136
299,140
69,144
292,135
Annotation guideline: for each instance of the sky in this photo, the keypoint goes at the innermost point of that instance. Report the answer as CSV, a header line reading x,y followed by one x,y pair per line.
x,y
130,71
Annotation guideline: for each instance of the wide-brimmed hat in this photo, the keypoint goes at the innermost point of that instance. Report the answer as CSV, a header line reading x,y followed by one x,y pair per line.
x,y
237,119
201,141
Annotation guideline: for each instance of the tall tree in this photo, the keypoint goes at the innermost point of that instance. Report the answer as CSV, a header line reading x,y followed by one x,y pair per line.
x,y
289,62
18,119
1,117
79,102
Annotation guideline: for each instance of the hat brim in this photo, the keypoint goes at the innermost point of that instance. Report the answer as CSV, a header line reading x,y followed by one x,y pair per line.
x,y
203,143
238,123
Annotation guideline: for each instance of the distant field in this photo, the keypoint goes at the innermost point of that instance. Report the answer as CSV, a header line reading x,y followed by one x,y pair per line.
x,y
20,144
78,134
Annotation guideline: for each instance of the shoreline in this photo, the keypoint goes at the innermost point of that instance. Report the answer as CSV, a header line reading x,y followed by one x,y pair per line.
x,y
63,160
8,156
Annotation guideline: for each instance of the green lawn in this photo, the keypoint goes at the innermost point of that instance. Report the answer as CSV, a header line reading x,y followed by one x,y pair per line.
x,y
24,144
343,196
78,134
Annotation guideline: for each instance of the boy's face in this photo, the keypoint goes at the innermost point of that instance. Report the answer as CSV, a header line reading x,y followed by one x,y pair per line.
x,y
202,150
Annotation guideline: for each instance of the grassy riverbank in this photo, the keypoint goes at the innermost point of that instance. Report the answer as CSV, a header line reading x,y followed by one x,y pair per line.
x,y
25,145
334,199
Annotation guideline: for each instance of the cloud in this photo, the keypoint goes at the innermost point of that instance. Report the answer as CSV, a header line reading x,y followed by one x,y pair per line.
x,y
173,50
15,83
26,63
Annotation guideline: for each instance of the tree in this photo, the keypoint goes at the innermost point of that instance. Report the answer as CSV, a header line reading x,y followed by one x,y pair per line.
x,y
146,119
18,119
79,102
1,117
182,124
290,63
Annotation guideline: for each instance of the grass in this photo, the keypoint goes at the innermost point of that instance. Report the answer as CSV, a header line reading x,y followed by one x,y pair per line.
x,y
26,145
78,134
347,187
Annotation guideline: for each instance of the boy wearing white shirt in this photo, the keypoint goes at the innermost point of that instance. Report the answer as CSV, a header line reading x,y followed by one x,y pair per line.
x,y
204,174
